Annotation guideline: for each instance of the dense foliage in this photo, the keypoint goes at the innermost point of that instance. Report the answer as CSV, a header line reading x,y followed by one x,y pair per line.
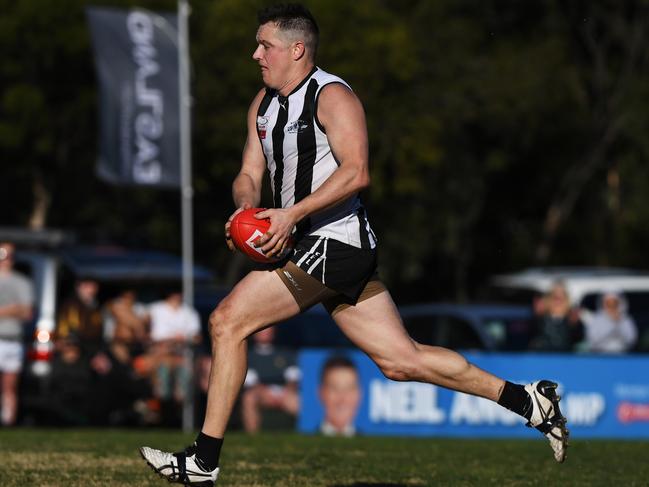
x,y
503,133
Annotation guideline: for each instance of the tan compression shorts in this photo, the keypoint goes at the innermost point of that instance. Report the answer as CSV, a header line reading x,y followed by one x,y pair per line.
x,y
308,291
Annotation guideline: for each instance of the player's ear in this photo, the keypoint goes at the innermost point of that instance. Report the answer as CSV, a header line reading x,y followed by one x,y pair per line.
x,y
298,50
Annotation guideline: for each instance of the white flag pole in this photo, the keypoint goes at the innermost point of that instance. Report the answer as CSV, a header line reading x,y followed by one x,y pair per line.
x,y
187,193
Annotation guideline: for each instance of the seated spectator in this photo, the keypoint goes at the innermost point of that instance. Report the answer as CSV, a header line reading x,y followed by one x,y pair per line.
x,y
80,314
127,320
126,328
557,327
271,382
93,382
119,394
174,327
68,401
610,329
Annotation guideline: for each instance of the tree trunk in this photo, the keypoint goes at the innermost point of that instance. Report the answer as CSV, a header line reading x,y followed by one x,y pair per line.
x,y
42,199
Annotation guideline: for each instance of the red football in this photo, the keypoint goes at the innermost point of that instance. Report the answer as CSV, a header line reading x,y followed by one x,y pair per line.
x,y
245,229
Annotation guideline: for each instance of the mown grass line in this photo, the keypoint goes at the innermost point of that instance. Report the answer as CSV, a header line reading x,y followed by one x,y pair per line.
x,y
88,458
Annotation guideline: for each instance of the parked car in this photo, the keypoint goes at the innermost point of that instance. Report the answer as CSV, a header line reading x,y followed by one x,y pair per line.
x,y
314,328
469,326
584,285
457,326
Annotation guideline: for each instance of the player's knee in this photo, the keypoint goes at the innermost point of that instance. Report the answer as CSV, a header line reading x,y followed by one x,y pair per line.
x,y
222,324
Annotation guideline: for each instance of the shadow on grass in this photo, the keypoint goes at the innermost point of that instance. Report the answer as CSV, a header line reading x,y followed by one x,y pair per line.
x,y
369,484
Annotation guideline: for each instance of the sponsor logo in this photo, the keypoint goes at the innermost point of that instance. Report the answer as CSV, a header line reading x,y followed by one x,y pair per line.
x,y
293,281
148,127
639,392
584,408
404,402
313,256
628,412
297,127
261,126
416,403
251,242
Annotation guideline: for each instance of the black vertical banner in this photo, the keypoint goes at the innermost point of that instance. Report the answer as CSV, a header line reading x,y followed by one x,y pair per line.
x,y
136,56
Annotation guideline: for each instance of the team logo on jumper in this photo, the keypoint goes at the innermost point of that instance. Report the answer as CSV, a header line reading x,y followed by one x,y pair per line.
x,y
297,127
261,126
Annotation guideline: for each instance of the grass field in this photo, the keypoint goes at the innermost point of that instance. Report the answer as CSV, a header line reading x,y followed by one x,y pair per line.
x,y
88,458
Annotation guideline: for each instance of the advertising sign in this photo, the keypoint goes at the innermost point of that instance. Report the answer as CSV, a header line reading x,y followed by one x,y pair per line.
x,y
136,55
603,396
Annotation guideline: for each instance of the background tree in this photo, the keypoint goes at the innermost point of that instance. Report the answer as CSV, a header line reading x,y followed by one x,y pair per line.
x,y
502,133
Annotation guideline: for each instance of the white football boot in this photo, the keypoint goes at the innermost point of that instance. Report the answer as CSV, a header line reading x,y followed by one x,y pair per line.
x,y
180,468
547,417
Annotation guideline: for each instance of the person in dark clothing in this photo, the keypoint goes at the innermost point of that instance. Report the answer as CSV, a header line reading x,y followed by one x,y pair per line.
x,y
271,381
557,327
81,314
68,401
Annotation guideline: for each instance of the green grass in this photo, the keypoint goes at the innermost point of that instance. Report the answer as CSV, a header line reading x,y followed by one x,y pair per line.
x,y
88,458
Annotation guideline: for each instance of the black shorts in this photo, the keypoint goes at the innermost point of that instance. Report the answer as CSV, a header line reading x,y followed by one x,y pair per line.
x,y
324,270
343,268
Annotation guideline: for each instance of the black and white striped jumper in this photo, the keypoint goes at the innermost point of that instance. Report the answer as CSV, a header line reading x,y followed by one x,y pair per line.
x,y
299,159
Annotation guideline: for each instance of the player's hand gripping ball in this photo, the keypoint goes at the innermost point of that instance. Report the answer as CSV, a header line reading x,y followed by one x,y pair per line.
x,y
245,229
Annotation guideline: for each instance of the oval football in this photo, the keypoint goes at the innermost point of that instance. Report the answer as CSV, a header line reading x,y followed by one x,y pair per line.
x,y
245,229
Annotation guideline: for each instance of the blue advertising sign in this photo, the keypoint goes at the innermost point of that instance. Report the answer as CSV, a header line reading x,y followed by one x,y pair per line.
x,y
603,396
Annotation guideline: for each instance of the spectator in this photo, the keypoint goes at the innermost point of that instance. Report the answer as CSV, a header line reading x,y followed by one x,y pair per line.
x,y
557,327
127,321
80,314
70,383
271,382
340,395
610,329
16,301
119,393
174,327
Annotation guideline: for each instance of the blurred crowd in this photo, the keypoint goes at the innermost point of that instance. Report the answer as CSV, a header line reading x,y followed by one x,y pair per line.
x,y
558,326
132,357
124,362
115,362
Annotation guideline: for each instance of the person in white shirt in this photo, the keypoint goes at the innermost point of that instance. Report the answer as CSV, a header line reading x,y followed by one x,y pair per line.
x,y
174,326
611,329
16,308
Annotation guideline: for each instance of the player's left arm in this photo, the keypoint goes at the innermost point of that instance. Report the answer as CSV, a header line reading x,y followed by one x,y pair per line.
x,y
341,114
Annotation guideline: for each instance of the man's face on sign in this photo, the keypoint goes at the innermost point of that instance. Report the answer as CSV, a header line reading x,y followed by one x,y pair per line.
x,y
340,396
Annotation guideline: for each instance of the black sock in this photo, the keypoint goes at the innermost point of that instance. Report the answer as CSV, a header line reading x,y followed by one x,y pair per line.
x,y
208,450
515,398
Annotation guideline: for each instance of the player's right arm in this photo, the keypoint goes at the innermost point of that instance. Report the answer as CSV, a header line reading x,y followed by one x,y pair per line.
x,y
246,188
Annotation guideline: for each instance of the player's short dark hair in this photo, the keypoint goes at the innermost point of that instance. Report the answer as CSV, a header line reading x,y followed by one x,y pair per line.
x,y
335,362
293,17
